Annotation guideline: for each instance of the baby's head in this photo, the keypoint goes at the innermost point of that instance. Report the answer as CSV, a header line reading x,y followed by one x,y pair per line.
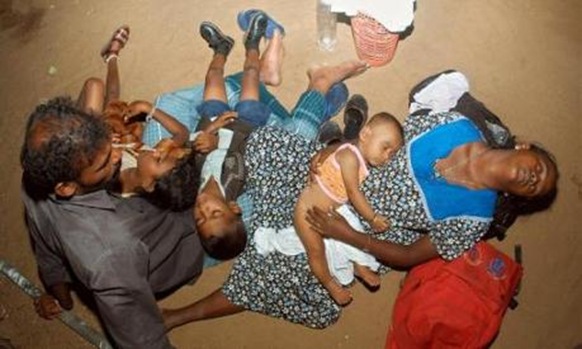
x,y
380,138
169,176
219,225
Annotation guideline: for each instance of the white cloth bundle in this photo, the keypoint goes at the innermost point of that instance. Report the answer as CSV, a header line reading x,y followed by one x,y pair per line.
x,y
340,256
395,15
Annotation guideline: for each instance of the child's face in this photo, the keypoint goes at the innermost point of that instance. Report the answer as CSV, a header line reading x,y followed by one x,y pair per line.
x,y
212,214
379,142
152,165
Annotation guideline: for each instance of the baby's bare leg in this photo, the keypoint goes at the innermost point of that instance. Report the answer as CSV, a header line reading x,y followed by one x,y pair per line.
x,y
315,249
370,278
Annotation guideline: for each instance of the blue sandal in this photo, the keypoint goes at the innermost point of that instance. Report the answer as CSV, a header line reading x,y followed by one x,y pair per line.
x,y
244,19
335,99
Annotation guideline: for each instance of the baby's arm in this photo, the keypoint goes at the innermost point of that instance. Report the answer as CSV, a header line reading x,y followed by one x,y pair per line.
x,y
179,132
350,167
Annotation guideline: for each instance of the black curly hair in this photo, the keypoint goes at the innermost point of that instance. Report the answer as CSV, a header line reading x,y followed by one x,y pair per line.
x,y
60,141
177,190
230,244
509,206
387,117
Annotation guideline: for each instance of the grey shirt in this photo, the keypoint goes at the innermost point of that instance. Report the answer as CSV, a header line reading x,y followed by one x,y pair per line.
x,y
123,250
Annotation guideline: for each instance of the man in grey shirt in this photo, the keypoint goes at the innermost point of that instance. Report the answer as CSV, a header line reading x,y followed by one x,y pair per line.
x,y
124,251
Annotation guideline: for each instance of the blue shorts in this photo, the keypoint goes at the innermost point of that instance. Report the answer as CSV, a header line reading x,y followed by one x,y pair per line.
x,y
253,112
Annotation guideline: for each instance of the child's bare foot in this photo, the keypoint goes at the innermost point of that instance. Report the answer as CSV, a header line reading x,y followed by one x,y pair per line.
x,y
115,44
368,277
340,295
321,78
272,60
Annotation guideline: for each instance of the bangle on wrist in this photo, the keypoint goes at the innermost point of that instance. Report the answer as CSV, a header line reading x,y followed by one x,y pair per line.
x,y
150,116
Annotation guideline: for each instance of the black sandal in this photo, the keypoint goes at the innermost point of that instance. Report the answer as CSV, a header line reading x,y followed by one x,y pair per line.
x,y
355,116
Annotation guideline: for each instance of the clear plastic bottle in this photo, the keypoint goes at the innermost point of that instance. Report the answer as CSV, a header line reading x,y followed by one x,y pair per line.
x,y
326,26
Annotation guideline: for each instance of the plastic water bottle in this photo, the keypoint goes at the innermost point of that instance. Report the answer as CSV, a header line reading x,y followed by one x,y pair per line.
x,y
326,26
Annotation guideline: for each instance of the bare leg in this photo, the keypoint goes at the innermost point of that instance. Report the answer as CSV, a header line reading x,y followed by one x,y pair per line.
x,y
321,78
212,306
366,274
315,249
110,53
250,79
214,88
112,81
272,60
91,96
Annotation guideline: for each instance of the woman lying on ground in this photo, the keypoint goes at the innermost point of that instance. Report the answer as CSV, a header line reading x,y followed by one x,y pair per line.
x,y
439,192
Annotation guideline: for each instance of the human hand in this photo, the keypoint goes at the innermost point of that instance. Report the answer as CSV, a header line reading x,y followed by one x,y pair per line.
x,y
221,121
380,223
47,306
136,111
328,224
205,142
62,292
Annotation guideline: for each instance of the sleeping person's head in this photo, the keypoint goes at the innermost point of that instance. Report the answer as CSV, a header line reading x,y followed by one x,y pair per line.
x,y
169,176
380,138
219,224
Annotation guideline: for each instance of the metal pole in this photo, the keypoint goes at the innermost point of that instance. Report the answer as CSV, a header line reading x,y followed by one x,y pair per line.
x,y
68,318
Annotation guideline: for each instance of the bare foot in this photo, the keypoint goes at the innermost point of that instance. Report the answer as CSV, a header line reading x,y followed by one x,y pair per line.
x,y
321,78
368,277
340,295
272,60
116,43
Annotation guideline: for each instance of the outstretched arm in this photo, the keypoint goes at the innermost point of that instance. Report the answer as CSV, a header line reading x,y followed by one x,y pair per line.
x,y
212,306
125,299
350,168
52,270
331,224
179,132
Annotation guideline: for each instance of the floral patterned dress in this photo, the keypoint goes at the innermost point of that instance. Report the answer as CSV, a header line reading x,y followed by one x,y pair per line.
x,y
278,167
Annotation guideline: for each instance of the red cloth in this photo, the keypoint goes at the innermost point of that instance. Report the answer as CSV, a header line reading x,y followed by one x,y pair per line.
x,y
458,304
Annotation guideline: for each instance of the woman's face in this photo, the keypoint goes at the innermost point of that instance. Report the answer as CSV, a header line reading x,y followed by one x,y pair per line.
x,y
526,173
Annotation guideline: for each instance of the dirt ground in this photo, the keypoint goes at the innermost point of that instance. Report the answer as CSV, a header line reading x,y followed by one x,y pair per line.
x,y
522,59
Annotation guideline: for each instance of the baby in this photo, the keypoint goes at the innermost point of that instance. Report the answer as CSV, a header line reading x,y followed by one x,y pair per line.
x,y
336,183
